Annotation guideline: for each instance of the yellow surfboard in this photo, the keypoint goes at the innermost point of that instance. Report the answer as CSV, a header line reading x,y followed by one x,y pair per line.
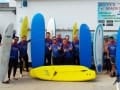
x,y
24,27
63,73
75,29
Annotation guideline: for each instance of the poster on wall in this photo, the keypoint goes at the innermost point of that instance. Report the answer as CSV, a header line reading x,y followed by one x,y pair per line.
x,y
109,14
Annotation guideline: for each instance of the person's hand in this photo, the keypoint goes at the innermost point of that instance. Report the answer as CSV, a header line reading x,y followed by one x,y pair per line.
x,y
50,48
108,57
59,48
70,49
22,59
65,50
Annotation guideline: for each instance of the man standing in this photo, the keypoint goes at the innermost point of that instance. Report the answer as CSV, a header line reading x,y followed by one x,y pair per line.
x,y
76,50
56,52
67,52
112,54
13,61
48,43
23,46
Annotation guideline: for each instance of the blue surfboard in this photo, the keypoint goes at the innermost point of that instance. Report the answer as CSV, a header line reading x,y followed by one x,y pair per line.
x,y
98,48
118,61
85,46
118,53
38,40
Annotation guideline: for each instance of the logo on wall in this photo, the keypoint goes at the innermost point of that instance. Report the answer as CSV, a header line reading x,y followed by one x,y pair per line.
x,y
109,13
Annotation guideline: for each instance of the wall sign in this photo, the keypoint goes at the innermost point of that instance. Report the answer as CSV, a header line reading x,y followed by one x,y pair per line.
x,y
109,13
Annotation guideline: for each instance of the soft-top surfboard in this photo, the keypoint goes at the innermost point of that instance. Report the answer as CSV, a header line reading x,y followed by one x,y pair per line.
x,y
5,50
51,27
85,46
75,30
63,73
118,61
98,48
24,27
38,40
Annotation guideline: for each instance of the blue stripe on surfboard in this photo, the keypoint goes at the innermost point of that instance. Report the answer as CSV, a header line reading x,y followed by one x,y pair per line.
x,y
118,54
85,46
38,40
99,67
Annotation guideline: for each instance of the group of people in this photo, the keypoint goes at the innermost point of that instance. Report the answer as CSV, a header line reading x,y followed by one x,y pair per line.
x,y
110,55
58,51
61,51
18,54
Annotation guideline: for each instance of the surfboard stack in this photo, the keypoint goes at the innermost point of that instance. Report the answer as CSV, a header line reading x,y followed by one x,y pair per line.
x,y
63,73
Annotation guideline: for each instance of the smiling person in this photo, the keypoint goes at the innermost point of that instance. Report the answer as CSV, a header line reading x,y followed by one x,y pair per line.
x,y
67,52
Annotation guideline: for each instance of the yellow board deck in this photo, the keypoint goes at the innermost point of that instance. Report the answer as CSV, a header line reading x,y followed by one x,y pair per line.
x,y
63,73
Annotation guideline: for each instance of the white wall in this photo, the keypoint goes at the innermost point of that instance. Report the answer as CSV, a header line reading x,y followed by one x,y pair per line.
x,y
12,3
5,19
65,12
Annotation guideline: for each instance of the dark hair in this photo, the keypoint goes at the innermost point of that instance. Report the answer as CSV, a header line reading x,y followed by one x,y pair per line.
x,y
54,37
67,36
64,39
47,32
16,37
111,37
